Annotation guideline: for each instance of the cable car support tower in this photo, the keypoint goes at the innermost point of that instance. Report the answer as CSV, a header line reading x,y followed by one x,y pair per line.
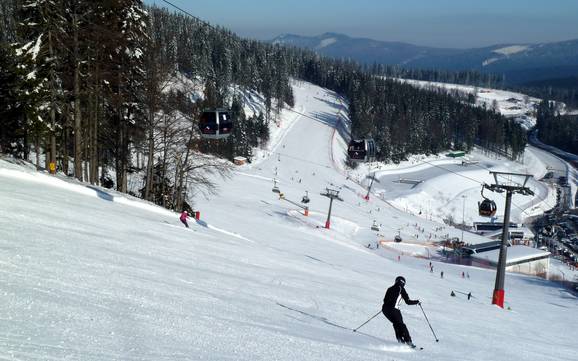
x,y
331,194
373,179
510,188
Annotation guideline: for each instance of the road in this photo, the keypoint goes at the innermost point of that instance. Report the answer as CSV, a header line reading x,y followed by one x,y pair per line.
x,y
560,160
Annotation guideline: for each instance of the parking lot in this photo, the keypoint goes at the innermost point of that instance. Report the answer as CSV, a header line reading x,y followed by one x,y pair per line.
x,y
558,232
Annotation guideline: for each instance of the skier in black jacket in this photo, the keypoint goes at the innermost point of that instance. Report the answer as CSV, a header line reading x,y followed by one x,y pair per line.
x,y
390,309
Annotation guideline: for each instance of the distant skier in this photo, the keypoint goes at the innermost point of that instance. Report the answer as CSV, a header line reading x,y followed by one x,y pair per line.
x,y
184,217
390,309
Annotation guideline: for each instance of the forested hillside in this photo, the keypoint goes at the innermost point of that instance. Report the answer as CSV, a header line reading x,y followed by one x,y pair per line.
x,y
563,90
89,83
465,77
558,130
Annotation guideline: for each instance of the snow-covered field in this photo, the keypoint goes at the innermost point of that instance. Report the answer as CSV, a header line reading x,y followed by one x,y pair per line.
x,y
511,104
89,274
442,189
447,195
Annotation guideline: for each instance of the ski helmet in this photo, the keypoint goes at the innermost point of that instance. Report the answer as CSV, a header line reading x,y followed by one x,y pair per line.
x,y
400,279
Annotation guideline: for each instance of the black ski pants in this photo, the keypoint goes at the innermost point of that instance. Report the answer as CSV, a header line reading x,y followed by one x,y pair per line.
x,y
394,316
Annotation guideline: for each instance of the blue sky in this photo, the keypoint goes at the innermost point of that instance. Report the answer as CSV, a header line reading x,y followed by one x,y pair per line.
x,y
441,23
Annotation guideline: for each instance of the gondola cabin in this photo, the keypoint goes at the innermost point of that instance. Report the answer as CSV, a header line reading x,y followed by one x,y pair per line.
x,y
487,208
216,124
361,150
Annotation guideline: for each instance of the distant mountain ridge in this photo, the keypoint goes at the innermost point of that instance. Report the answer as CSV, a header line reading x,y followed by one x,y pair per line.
x,y
519,62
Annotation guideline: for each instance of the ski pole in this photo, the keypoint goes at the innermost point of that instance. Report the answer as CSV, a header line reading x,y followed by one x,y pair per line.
x,y
363,324
437,340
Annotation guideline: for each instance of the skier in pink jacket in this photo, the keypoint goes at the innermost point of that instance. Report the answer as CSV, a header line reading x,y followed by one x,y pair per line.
x,y
184,217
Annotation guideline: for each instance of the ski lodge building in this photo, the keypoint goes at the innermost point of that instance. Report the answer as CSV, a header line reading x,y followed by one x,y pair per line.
x,y
519,234
520,259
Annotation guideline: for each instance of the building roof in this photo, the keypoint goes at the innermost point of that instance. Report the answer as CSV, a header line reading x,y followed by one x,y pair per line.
x,y
491,226
482,247
516,254
493,230
527,233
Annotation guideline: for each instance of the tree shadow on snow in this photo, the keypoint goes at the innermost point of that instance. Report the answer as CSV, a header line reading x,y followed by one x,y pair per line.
x,y
101,194
332,104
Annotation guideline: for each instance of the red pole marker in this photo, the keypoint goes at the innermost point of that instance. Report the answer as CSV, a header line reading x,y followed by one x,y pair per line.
x,y
498,298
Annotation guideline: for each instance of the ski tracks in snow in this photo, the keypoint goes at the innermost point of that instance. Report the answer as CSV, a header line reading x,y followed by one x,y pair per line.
x,y
216,229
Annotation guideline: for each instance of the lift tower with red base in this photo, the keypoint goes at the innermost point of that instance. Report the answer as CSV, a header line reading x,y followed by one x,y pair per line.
x,y
331,194
504,182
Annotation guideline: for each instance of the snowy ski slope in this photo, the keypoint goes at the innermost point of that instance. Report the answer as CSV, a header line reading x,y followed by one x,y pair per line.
x,y
89,274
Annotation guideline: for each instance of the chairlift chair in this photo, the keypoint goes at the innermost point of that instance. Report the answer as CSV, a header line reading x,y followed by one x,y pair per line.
x,y
305,198
375,227
216,124
275,188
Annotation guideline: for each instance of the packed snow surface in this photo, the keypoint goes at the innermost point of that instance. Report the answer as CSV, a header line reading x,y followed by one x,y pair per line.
x,y
326,42
90,274
444,189
511,50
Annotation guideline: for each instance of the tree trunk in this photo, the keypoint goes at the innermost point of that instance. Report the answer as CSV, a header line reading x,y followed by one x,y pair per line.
x,y
52,140
94,176
77,114
150,160
37,150
182,174
64,151
163,174
122,139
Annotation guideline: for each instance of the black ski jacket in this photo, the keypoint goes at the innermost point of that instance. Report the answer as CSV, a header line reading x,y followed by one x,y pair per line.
x,y
394,295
